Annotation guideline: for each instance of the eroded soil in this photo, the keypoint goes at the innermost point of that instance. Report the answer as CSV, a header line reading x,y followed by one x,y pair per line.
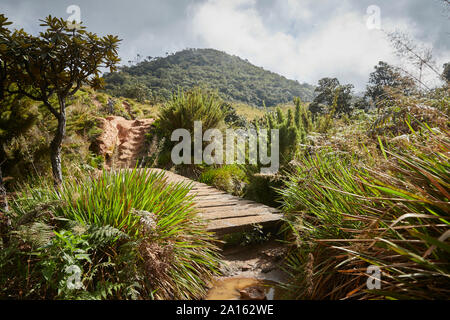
x,y
122,140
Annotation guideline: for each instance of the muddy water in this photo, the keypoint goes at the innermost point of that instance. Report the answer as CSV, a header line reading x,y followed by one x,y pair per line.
x,y
238,288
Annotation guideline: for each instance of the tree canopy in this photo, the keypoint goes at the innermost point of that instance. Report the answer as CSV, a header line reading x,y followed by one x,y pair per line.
x,y
331,93
54,64
385,76
446,73
234,78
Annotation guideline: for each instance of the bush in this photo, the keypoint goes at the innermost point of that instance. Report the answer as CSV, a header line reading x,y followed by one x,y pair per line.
x,y
292,130
343,217
130,233
187,107
230,178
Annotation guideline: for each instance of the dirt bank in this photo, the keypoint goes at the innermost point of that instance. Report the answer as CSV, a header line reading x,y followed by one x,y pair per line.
x,y
122,140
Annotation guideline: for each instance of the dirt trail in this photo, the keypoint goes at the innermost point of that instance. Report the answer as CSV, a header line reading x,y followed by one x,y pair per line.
x,y
122,140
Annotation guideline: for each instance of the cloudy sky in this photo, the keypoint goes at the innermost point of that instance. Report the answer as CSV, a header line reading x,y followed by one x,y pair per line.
x,y
303,40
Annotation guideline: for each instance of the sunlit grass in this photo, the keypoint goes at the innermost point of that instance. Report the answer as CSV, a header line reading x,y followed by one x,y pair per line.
x,y
177,254
343,217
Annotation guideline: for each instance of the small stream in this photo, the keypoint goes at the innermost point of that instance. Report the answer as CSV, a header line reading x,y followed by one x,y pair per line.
x,y
244,289
251,273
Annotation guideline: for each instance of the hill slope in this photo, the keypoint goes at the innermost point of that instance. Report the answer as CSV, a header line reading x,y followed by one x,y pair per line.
x,y
234,78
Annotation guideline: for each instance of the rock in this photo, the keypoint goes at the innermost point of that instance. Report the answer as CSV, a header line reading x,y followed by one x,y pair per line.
x,y
253,293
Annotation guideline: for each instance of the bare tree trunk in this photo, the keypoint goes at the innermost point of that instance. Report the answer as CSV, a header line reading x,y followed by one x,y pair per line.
x,y
3,198
55,146
5,222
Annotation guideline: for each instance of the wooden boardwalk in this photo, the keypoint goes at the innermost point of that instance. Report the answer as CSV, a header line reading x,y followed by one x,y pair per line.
x,y
226,213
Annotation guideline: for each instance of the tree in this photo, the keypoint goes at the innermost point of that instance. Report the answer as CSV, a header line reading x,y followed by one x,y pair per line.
x,y
232,118
385,76
138,92
235,79
446,73
55,64
4,219
4,33
3,85
302,117
329,91
361,103
326,89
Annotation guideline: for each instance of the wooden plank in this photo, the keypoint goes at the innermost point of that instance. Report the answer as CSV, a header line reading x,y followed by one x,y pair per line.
x,y
209,192
241,209
214,215
225,226
226,213
212,195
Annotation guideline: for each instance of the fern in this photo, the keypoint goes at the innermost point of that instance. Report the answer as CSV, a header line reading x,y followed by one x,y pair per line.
x,y
101,235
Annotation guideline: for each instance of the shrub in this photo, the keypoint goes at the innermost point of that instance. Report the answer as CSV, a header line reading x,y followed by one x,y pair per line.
x,y
187,107
343,217
230,178
154,245
262,188
398,114
292,131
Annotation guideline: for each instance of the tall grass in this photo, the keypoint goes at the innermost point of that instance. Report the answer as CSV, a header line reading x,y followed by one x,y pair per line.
x,y
185,108
344,216
174,256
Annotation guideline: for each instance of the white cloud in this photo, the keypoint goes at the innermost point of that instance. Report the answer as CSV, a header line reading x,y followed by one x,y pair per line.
x,y
300,39
339,45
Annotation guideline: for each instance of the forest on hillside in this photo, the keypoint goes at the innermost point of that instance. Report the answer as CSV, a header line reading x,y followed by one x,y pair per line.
x,y
235,79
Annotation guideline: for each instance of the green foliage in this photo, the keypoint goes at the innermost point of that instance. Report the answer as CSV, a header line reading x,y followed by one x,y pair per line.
x,y
132,235
75,56
232,118
56,63
343,216
446,72
230,178
187,107
410,112
262,188
385,78
235,79
27,151
138,92
40,263
113,199
17,115
292,129
331,93
255,236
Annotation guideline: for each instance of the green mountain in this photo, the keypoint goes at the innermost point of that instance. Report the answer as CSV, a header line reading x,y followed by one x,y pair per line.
x,y
234,78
